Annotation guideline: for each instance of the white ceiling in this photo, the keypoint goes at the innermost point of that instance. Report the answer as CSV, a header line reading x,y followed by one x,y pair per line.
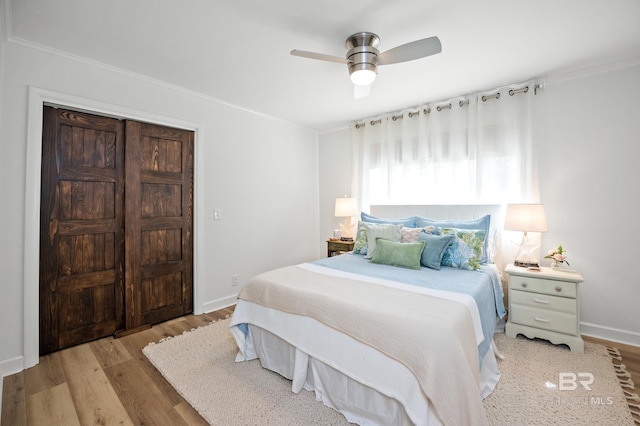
x,y
237,51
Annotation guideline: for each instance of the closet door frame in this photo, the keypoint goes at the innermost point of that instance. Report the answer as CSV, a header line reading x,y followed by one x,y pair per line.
x,y
39,97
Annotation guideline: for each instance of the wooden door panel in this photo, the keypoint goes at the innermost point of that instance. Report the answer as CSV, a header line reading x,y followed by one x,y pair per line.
x,y
87,200
160,246
161,200
159,268
81,237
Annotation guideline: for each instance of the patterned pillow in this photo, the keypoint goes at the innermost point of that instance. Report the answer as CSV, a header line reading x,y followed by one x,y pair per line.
x,y
411,235
466,250
385,231
360,246
482,224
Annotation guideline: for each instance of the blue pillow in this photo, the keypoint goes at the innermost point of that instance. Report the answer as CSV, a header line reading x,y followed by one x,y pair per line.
x,y
409,222
434,249
482,223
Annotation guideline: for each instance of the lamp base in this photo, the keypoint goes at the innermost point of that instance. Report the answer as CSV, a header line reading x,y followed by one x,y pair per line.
x,y
348,229
524,264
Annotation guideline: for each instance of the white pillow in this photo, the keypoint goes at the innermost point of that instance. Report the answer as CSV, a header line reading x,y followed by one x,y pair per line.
x,y
378,230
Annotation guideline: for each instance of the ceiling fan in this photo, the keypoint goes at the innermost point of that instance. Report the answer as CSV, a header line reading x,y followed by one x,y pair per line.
x,y
363,57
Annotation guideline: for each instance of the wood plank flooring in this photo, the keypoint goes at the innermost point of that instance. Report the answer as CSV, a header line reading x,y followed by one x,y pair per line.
x,y
110,381
104,382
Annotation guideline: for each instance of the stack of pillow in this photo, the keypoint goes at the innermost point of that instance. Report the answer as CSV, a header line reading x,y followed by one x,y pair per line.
x,y
418,241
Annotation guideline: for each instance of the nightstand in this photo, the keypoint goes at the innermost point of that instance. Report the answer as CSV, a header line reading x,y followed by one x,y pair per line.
x,y
544,304
336,247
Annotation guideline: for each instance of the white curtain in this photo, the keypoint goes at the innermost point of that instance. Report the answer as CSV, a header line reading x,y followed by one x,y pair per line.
x,y
462,151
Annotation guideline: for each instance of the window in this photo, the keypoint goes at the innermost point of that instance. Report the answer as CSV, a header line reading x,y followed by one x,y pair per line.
x,y
471,151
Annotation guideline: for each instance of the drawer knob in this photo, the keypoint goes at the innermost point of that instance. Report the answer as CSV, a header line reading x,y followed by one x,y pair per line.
x,y
541,319
523,285
546,302
558,288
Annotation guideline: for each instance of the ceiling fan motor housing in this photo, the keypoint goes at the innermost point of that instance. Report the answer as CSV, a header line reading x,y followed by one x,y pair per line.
x,y
362,54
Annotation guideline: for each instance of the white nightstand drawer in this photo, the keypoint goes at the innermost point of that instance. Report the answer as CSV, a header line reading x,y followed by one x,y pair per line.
x,y
544,301
525,283
560,322
560,288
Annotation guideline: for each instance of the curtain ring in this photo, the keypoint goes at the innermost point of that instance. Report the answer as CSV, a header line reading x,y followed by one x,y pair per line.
x,y
485,97
523,90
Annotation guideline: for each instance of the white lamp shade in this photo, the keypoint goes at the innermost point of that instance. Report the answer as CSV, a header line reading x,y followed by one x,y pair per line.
x,y
346,207
525,218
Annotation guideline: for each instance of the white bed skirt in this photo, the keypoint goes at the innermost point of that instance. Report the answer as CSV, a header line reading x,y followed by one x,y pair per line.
x,y
366,386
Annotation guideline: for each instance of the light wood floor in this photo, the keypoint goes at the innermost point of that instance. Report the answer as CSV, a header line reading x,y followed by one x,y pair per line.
x,y
110,381
105,382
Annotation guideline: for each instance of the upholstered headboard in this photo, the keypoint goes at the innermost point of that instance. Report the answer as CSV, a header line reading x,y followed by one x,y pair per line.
x,y
505,253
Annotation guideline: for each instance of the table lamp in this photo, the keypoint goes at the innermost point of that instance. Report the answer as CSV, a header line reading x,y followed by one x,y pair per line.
x,y
526,218
347,208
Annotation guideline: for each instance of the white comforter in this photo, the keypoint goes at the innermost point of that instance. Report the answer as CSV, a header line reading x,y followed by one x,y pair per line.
x,y
445,368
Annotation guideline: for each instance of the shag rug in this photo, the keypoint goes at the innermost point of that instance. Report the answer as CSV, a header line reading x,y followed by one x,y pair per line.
x,y
200,365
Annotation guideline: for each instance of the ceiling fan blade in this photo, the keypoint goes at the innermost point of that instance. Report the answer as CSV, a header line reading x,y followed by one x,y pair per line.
x,y
319,56
360,92
410,51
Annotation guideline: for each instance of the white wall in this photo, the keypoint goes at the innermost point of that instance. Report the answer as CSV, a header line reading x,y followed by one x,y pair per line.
x,y
269,209
335,178
587,137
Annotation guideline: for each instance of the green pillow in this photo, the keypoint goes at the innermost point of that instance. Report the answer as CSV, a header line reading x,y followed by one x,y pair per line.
x,y
404,255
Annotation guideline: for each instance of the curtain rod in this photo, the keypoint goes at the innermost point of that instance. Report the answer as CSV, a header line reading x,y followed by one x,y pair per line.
x,y
462,103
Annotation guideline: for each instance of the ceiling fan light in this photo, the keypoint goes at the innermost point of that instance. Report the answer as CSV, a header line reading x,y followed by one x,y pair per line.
x,y
363,77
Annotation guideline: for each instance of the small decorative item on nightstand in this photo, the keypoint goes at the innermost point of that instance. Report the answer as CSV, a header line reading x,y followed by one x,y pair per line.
x,y
545,304
558,257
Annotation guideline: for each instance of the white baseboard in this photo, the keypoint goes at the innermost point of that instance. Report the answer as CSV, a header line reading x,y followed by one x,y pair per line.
x,y
214,305
11,366
612,334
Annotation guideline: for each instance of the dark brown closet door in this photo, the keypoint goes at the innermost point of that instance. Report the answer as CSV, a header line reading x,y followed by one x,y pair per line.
x,y
81,229
116,225
159,226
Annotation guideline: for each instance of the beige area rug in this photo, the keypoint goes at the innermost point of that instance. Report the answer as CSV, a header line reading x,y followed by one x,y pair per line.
x,y
200,365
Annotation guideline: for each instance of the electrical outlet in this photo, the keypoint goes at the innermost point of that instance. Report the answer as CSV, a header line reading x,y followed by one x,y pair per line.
x,y
234,280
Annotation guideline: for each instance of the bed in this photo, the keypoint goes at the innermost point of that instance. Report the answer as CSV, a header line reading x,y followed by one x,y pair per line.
x,y
380,340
